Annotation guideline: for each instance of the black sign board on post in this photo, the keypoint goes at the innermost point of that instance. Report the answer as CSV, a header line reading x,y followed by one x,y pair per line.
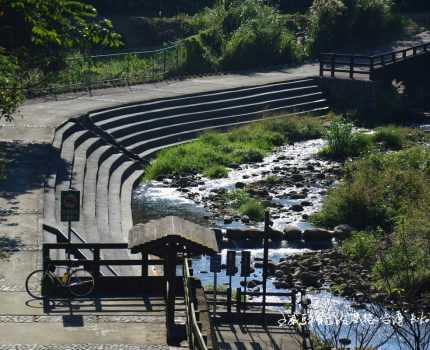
x,y
245,264
215,264
70,205
231,263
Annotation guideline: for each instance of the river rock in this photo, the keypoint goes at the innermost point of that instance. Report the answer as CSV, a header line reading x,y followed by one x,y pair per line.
x,y
296,207
275,235
228,220
239,235
292,233
240,185
317,234
342,231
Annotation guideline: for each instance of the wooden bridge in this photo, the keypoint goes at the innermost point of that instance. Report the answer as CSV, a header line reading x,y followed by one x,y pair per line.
x,y
368,67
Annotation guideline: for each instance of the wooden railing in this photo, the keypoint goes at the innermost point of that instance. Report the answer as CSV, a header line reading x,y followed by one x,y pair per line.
x,y
366,65
94,263
196,340
241,300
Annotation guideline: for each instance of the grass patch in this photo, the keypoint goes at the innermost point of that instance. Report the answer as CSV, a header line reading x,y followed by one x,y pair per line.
x,y
241,201
397,138
213,151
216,172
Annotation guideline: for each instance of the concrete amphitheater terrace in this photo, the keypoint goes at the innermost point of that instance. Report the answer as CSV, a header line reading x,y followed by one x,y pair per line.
x,y
29,138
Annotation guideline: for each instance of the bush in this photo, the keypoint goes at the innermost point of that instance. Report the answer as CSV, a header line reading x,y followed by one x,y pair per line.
x,y
361,246
342,142
338,23
10,97
378,189
404,267
216,172
253,209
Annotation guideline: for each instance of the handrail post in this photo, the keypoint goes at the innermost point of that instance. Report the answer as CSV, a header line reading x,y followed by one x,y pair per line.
x,y
293,301
97,265
164,62
351,67
229,300
414,50
332,65
383,60
238,299
321,66
45,258
144,264
372,64
404,53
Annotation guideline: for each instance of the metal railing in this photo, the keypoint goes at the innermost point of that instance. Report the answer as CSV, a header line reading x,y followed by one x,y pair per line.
x,y
194,335
136,67
366,65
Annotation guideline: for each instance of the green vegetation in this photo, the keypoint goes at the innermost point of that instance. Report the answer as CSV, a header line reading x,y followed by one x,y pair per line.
x,y
378,189
213,151
361,246
343,142
387,196
242,201
216,172
342,23
36,35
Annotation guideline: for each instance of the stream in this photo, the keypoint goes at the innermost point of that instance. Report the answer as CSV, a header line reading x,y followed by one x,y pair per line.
x,y
310,180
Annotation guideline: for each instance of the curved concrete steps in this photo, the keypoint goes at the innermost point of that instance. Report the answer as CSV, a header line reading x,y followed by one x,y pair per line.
x,y
102,154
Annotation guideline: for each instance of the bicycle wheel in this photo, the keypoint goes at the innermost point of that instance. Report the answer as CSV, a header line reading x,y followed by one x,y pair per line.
x,y
81,283
33,284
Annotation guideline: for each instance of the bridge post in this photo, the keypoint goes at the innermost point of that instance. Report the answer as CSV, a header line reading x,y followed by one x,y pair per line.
x,y
351,67
229,300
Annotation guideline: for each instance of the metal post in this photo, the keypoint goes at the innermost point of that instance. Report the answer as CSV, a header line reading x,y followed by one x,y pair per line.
x,y
238,299
229,300
164,61
293,301
351,67
215,295
96,270
69,239
245,293
265,258
144,264
332,65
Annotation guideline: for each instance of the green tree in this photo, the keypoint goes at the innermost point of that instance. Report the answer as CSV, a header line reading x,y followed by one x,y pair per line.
x,y
38,34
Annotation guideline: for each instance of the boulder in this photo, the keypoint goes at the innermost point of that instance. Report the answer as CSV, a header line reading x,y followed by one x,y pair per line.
x,y
292,233
342,231
275,235
248,234
296,207
317,234
240,185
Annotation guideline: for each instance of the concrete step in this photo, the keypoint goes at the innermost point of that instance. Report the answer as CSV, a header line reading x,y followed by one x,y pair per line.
x,y
199,106
153,128
172,134
107,113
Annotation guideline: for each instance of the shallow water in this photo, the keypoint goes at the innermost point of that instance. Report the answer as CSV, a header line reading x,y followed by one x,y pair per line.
x,y
157,199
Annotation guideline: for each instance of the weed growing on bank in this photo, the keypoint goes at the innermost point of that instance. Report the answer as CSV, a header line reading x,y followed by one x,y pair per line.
x,y
213,151
242,201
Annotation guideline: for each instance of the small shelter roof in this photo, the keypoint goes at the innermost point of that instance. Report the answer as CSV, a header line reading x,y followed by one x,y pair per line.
x,y
154,236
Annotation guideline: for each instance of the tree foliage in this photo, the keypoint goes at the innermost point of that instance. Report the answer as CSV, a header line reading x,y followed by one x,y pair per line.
x,y
38,33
